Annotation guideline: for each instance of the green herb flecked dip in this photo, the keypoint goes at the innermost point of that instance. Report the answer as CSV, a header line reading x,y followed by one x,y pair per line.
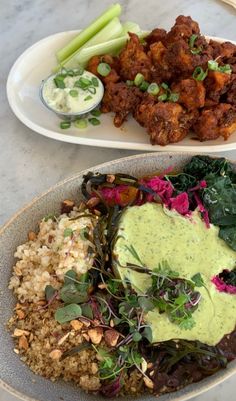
x,y
190,247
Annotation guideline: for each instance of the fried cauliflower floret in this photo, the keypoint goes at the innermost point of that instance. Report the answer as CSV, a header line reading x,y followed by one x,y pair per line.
x,y
157,35
222,50
216,121
216,84
183,29
134,60
121,99
113,76
191,93
165,122
231,94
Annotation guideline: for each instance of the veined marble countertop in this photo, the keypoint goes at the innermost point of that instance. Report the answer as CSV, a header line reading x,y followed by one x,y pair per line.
x,y
30,163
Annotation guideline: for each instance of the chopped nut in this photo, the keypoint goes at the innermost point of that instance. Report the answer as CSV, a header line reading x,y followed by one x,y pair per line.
x,y
81,206
76,324
95,335
97,212
102,286
18,271
92,202
23,343
18,306
111,337
62,339
150,365
94,368
41,302
67,206
144,365
20,314
85,322
151,373
110,178
112,324
19,333
16,351
32,236
148,382
31,337
85,335
55,354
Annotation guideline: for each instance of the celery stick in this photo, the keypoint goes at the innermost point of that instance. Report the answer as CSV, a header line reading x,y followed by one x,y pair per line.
x,y
129,26
111,31
112,47
87,33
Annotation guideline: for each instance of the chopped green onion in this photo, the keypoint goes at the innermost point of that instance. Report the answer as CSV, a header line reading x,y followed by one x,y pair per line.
x,y
164,86
103,69
129,82
65,124
63,72
225,68
59,81
81,123
95,113
94,121
212,65
70,73
192,40
144,85
163,97
88,97
95,82
173,97
92,90
73,93
82,83
199,74
138,79
78,71
153,89
194,50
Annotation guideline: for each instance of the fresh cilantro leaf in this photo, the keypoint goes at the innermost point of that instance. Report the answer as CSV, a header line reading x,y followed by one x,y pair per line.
x,y
68,232
198,280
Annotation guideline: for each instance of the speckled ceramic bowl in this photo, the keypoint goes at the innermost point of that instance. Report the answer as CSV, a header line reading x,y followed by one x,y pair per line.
x,y
14,375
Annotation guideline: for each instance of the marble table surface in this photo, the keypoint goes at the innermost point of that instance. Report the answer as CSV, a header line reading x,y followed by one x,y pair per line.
x,y
30,163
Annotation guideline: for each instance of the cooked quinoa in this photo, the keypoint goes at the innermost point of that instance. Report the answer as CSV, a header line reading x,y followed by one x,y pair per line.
x,y
47,256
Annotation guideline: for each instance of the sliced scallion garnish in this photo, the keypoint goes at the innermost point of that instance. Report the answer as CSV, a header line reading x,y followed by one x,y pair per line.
x,y
95,82
163,97
164,86
92,90
59,81
103,69
153,89
214,66
173,97
73,93
88,98
199,74
96,113
139,78
78,71
144,85
81,123
94,121
129,82
65,124
193,49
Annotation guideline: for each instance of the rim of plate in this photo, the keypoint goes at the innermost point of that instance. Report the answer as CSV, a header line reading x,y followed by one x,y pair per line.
x,y
204,384
178,147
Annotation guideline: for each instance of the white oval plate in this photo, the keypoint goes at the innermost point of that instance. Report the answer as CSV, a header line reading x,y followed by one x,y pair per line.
x,y
36,64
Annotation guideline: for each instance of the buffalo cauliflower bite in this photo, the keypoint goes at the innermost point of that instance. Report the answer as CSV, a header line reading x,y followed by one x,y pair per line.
x,y
216,84
121,99
191,93
216,121
113,75
165,122
134,60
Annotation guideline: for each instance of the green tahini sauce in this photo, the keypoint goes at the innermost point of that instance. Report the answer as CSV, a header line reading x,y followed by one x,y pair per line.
x,y
190,247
